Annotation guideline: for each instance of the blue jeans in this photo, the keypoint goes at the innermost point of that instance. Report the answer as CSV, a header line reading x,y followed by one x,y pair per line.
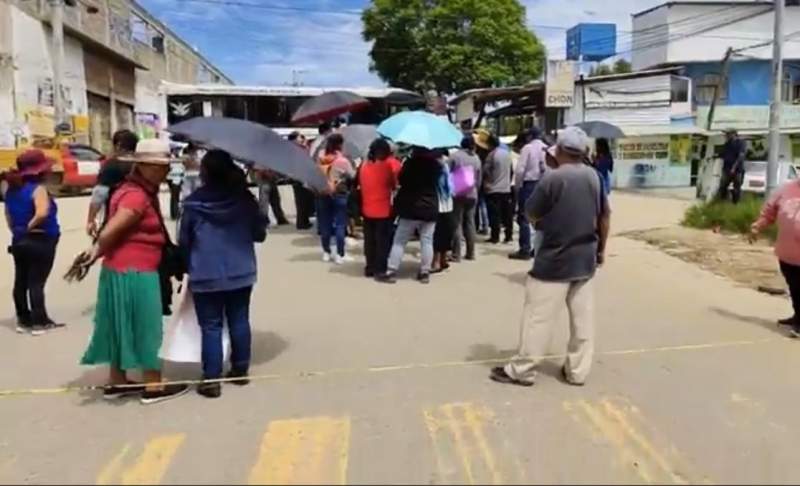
x,y
332,220
212,309
525,193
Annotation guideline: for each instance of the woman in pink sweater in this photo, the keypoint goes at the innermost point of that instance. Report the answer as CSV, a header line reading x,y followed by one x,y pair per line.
x,y
784,208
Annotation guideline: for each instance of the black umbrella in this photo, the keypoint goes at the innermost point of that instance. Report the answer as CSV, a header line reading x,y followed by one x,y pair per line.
x,y
601,129
328,105
253,144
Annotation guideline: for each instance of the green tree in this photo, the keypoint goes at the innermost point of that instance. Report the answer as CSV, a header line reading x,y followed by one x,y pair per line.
x,y
622,66
451,45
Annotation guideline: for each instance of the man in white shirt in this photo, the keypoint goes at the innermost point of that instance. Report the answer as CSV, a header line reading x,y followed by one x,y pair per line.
x,y
529,170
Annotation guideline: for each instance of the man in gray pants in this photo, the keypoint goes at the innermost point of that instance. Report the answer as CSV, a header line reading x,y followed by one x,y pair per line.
x,y
570,209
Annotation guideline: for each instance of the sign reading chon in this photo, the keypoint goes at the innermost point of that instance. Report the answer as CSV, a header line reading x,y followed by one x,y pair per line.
x,y
560,85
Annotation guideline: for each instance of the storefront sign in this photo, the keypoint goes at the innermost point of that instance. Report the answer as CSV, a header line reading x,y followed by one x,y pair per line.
x,y
644,148
748,117
560,86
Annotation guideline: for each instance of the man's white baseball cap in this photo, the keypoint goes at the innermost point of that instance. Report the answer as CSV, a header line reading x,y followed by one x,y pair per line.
x,y
573,140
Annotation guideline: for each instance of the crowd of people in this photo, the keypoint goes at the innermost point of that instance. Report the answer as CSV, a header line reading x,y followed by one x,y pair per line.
x,y
558,189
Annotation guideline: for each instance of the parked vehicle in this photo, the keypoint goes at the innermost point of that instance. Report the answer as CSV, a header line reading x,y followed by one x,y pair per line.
x,y
755,175
75,169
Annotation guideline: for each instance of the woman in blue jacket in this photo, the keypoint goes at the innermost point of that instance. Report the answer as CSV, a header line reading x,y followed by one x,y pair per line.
x,y
220,224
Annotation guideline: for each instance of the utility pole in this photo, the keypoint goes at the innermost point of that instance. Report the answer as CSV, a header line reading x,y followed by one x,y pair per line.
x,y
777,99
57,23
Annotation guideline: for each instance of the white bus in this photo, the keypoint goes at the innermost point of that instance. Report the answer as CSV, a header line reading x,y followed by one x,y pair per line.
x,y
274,106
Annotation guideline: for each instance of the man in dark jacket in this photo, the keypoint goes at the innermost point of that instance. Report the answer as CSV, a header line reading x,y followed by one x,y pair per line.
x,y
220,224
417,206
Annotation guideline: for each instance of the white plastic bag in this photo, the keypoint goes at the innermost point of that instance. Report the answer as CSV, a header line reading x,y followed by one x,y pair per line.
x,y
183,340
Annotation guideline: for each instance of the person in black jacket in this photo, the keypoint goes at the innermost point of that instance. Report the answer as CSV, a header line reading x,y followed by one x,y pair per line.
x,y
417,206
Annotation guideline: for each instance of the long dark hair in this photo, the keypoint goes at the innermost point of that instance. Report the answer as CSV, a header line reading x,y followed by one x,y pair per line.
x,y
602,147
334,144
379,150
219,172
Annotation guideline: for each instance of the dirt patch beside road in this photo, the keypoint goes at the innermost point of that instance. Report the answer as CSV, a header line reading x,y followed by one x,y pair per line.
x,y
727,255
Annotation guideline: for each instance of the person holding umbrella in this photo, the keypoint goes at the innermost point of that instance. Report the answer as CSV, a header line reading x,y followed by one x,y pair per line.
x,y
417,206
332,207
220,225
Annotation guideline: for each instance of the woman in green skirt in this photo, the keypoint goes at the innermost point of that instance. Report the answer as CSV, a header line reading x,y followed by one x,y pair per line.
x,y
128,324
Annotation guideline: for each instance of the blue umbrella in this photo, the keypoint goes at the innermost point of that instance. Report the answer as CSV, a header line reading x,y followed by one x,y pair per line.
x,y
254,145
422,129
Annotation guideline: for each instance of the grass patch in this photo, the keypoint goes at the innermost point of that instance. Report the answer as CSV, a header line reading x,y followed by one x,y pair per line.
x,y
729,217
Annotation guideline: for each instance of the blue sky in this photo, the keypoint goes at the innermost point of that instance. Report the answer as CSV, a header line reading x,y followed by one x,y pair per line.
x,y
265,45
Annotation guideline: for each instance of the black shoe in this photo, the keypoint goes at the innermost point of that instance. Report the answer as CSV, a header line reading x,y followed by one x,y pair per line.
x,y
210,390
168,393
470,258
520,255
499,375
508,241
369,273
113,392
303,227
483,232
388,278
492,241
565,376
283,222
789,321
424,278
242,376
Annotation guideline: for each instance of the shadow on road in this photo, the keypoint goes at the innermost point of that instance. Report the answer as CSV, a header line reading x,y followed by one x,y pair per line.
x,y
758,321
307,241
517,278
266,346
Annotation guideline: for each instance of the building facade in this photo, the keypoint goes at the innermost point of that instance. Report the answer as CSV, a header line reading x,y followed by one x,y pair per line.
x,y
695,37
116,55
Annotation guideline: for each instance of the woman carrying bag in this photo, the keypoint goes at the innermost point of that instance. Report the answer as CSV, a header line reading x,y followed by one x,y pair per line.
x,y
32,216
133,244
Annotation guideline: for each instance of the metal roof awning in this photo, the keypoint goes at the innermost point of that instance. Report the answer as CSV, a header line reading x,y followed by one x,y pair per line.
x,y
647,130
493,95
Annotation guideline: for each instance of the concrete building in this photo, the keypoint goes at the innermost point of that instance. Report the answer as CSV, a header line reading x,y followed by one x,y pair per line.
x,y
653,109
116,55
696,35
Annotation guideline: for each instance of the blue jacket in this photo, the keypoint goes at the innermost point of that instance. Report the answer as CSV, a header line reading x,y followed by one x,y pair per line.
x,y
217,235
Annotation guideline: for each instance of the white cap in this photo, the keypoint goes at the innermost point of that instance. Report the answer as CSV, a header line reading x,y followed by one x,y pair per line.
x,y
573,140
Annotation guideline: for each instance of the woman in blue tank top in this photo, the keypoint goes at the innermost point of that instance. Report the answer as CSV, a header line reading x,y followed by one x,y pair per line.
x,y
32,217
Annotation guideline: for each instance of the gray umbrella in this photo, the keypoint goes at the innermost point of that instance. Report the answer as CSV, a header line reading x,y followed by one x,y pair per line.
x,y
255,145
357,139
601,129
328,105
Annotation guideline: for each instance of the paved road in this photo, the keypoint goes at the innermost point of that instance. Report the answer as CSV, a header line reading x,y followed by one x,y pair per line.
x,y
364,383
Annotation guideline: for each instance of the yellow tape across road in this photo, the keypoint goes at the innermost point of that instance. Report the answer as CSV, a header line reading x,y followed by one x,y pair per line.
x,y
385,369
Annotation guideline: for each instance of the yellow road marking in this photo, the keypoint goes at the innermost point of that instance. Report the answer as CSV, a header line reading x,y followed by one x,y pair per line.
x,y
460,434
109,472
303,451
149,467
621,424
